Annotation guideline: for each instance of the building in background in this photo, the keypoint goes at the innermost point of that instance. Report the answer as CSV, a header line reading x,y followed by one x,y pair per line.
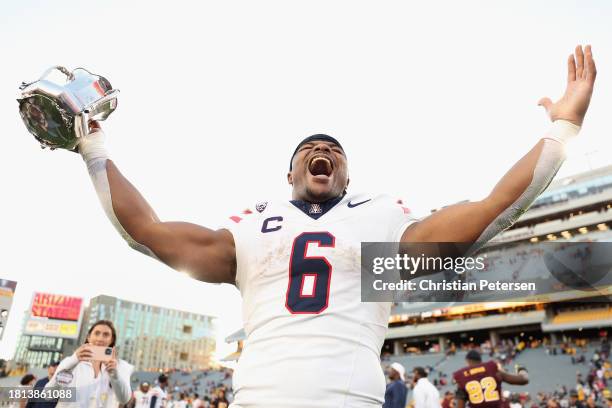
x,y
155,338
7,291
51,329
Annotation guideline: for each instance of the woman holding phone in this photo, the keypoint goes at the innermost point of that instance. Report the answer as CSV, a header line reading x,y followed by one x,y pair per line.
x,y
101,379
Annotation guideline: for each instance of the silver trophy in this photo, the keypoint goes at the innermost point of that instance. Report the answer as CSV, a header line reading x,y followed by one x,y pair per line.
x,y
58,114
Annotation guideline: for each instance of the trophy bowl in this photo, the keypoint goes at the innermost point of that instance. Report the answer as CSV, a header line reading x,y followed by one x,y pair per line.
x,y
58,114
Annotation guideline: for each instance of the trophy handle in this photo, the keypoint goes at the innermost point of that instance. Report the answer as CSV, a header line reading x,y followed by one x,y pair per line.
x,y
82,119
45,74
61,69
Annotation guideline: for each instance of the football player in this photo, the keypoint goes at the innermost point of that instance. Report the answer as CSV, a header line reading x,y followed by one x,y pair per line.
x,y
479,384
311,342
142,396
159,396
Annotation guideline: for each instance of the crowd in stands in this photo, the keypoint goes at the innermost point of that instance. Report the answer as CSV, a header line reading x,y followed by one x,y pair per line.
x,y
592,388
10,369
196,389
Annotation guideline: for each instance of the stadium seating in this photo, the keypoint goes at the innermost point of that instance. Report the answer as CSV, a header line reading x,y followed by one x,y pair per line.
x,y
409,361
546,372
185,380
604,313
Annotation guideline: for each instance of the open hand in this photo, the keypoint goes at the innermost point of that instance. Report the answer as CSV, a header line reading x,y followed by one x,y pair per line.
x,y
573,105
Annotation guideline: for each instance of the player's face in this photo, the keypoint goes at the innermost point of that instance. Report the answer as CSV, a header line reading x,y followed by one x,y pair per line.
x,y
319,172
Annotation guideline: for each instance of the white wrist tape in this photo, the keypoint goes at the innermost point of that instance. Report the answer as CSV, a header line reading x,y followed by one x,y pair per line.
x,y
92,147
95,156
551,158
562,131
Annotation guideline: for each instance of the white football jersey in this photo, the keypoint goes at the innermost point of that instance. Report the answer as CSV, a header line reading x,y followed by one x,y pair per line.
x,y
142,399
311,342
159,397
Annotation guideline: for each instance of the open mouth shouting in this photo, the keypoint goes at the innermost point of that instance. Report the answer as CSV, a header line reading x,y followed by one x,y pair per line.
x,y
321,167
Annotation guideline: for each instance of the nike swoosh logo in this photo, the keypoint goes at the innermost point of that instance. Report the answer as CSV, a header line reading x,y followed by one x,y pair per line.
x,y
351,205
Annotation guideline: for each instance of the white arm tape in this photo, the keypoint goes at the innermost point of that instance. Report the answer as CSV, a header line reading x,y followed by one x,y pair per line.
x,y
550,160
95,156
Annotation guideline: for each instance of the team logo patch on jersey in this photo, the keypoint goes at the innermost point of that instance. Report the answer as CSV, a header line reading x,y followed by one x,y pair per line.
x,y
261,206
315,209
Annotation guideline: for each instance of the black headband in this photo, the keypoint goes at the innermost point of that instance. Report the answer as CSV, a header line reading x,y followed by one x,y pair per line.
x,y
312,138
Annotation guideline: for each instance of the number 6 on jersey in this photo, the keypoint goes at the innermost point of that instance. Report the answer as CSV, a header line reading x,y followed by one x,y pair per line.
x,y
309,276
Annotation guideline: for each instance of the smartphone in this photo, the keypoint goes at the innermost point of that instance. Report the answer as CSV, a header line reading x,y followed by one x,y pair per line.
x,y
100,353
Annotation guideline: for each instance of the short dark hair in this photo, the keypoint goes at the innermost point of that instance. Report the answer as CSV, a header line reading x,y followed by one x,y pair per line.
x,y
26,379
108,324
162,379
473,355
420,371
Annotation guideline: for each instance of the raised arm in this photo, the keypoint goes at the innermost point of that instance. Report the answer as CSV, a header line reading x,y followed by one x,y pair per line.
x,y
480,221
522,378
207,255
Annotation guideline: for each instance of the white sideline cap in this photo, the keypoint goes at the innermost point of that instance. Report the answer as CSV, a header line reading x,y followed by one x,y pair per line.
x,y
400,370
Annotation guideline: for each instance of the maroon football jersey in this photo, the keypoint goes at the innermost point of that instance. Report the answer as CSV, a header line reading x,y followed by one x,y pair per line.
x,y
480,385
